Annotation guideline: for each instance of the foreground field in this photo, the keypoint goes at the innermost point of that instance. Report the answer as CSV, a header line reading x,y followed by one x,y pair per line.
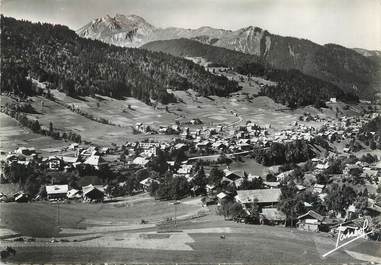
x,y
113,233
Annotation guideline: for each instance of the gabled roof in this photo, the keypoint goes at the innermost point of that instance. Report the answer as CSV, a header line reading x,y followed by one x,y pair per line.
x,y
73,193
272,184
233,175
221,195
93,160
273,214
56,189
312,214
70,159
140,161
148,181
89,188
262,195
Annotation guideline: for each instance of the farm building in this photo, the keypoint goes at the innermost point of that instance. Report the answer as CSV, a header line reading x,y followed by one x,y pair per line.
x,y
234,175
271,216
56,191
93,160
146,183
93,193
265,197
310,221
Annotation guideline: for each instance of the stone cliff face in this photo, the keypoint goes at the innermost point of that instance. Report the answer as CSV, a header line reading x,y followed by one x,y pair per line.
x,y
347,68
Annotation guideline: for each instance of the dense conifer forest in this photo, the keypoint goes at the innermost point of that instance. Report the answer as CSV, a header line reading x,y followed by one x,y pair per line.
x,y
293,89
82,67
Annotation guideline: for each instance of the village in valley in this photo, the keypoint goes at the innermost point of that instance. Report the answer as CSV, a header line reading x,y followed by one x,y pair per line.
x,y
319,173
310,178
177,150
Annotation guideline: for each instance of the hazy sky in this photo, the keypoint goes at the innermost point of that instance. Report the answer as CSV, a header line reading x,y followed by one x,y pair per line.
x,y
352,23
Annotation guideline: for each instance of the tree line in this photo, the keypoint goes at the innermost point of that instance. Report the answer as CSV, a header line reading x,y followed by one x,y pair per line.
x,y
295,89
34,125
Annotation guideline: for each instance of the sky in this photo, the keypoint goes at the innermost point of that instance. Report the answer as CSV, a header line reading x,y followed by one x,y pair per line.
x,y
351,23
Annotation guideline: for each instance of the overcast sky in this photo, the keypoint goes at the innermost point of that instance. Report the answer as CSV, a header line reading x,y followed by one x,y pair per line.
x,y
352,23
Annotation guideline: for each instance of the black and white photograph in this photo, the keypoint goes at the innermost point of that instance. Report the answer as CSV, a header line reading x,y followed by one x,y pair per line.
x,y
190,132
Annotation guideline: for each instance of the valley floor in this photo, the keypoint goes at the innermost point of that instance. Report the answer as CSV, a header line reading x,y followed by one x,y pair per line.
x,y
112,232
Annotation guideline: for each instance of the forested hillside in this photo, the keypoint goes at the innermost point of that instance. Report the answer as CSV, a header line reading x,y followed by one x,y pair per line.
x,y
293,89
186,47
80,67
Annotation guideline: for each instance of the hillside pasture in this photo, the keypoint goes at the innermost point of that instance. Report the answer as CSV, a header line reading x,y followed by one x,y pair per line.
x,y
14,135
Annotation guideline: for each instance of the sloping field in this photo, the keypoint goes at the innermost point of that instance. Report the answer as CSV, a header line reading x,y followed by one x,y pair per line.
x,y
44,218
13,135
113,233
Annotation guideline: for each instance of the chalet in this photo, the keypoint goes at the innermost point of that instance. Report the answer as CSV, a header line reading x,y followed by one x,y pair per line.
x,y
150,152
203,145
226,180
146,183
318,188
221,196
184,134
310,221
180,146
141,161
271,216
352,169
210,188
91,151
14,158
373,209
164,130
184,169
322,166
265,197
74,194
25,151
176,128
234,175
73,146
195,121
69,159
104,150
218,145
148,145
56,191
54,162
197,190
284,174
93,193
93,160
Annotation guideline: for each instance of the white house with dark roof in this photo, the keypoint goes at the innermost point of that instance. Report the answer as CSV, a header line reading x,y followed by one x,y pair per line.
x,y
56,191
265,197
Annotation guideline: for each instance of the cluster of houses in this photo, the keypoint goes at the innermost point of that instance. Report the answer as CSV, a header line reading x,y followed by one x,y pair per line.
x,y
267,198
87,193
212,143
74,156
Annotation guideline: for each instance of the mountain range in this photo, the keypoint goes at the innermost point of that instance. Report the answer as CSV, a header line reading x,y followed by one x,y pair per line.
x,y
353,70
